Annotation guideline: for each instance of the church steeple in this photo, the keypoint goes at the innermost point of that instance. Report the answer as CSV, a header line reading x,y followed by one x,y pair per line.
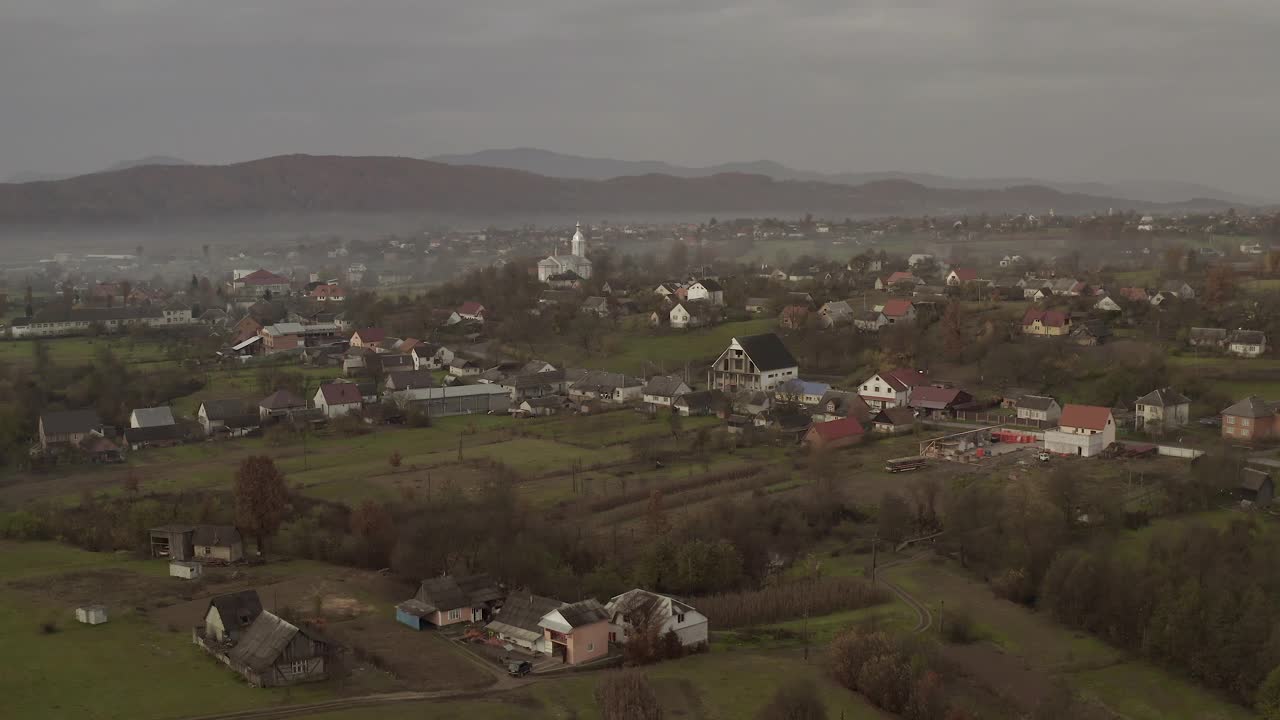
x,y
579,243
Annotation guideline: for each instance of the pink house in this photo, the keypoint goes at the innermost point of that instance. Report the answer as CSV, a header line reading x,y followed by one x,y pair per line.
x,y
447,600
578,633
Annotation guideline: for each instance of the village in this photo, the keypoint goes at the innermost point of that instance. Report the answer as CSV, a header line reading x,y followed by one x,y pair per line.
x,y
631,420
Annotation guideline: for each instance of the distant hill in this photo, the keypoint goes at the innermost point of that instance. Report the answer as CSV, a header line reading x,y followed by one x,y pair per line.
x,y
30,176
320,184
553,164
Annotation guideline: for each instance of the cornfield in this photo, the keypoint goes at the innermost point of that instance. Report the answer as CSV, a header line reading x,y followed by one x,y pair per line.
x,y
791,601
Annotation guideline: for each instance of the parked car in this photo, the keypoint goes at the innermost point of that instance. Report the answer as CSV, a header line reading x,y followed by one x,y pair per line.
x,y
1044,457
519,668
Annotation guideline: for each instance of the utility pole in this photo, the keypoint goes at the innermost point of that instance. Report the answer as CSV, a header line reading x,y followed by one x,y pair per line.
x,y
875,556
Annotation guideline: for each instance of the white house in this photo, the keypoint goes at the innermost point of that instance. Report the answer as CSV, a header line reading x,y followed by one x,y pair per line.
x,y
1162,409
641,607
661,391
708,290
754,362
680,318
1247,343
151,417
428,356
1106,304
1083,431
1039,408
891,389
338,399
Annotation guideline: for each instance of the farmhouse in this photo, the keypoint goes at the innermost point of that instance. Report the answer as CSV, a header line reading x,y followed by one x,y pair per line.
x,y
835,313
662,390
1046,323
959,276
892,388
708,290
578,633
698,403
938,401
68,427
1253,418
1084,431
893,420
279,404
271,652
473,311
642,608
1162,409
429,356
337,399
899,310
754,362
230,415
229,616
836,404
606,386
447,600
1247,343
368,337
1039,408
517,622
151,417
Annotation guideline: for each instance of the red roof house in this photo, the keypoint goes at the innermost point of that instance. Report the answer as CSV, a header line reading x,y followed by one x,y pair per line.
x,y
471,310
1046,322
1086,417
899,309
834,434
262,277
960,276
367,337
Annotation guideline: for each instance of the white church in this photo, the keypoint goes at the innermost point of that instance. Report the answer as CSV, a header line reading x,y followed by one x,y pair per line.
x,y
576,263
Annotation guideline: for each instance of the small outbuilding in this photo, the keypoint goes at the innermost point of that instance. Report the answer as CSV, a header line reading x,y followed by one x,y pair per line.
x,y
92,614
185,569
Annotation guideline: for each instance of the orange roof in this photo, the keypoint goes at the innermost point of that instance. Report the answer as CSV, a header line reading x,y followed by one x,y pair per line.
x,y
836,429
965,274
896,308
1089,417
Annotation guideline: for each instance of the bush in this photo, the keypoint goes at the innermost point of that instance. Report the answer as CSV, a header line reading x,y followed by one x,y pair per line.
x,y
799,700
48,627
958,627
627,695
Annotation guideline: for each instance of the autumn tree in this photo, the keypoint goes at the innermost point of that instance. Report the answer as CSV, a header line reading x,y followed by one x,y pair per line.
x,y
799,700
375,528
676,422
953,330
894,517
131,483
261,498
627,695
1220,285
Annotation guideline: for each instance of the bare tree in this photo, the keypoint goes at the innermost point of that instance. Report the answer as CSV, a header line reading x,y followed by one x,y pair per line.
x,y
627,695
261,497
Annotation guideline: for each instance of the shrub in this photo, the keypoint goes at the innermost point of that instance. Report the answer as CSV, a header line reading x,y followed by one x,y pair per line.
x,y
627,695
798,700
958,627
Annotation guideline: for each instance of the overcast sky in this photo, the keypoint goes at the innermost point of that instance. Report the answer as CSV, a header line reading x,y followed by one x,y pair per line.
x,y
1061,89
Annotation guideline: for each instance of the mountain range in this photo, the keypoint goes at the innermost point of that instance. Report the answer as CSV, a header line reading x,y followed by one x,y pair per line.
x,y
554,164
293,184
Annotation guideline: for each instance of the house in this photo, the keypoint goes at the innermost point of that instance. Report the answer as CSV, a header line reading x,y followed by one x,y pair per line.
x,y
1083,430
578,633
463,367
1211,338
666,290
1178,289
708,290
151,417
1106,304
337,399
471,310
897,279
699,403
870,320
665,614
1090,333
800,391
279,404
835,313
271,652
892,388
1010,261
1134,294
938,401
139,438
757,305
1039,409
606,386
1253,418
959,276
597,305
893,420
390,363
754,362
1162,409
410,380
368,337
517,622
1247,343
228,616
529,385
1068,287
793,317
449,600
259,283
837,404
204,543
1046,323
662,390
680,318
68,427
429,356
543,406
229,415
898,310
329,292
834,434
1256,487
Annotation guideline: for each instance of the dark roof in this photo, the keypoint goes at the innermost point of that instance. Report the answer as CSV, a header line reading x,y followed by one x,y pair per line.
x,y
523,611
895,416
1252,407
410,380
711,285
767,351
1036,402
238,610
223,409
216,535
64,422
282,399
701,400
1249,337
1251,479
341,393
584,612
370,335
1214,334
263,642
154,433
663,385
1163,397
936,398
449,593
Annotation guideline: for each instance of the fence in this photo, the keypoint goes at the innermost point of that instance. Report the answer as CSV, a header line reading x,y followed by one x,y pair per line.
x,y
995,418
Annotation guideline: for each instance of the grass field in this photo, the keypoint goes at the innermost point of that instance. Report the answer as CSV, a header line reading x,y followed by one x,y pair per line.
x,y
638,351
80,350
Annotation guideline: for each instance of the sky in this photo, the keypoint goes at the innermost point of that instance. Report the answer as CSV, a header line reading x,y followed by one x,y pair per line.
x,y
1057,89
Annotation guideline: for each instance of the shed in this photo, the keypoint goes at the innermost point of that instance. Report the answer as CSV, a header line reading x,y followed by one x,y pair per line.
x,y
92,614
1256,486
185,569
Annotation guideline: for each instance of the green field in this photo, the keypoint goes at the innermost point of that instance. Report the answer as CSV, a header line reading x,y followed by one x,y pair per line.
x,y
645,352
80,350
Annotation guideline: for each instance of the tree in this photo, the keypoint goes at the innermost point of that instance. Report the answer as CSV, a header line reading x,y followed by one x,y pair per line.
x,y
894,517
798,700
1066,494
1268,700
676,422
1219,286
627,695
953,330
131,483
261,498
376,528
26,300
395,459
126,289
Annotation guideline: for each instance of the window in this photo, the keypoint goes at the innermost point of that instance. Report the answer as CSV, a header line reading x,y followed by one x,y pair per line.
x,y
680,618
455,614
591,647
297,667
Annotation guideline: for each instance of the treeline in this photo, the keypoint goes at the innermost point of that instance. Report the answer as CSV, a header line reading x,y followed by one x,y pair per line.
x,y
1199,599
776,603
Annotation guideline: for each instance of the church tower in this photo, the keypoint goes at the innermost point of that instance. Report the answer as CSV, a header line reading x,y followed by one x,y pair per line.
x,y
579,243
